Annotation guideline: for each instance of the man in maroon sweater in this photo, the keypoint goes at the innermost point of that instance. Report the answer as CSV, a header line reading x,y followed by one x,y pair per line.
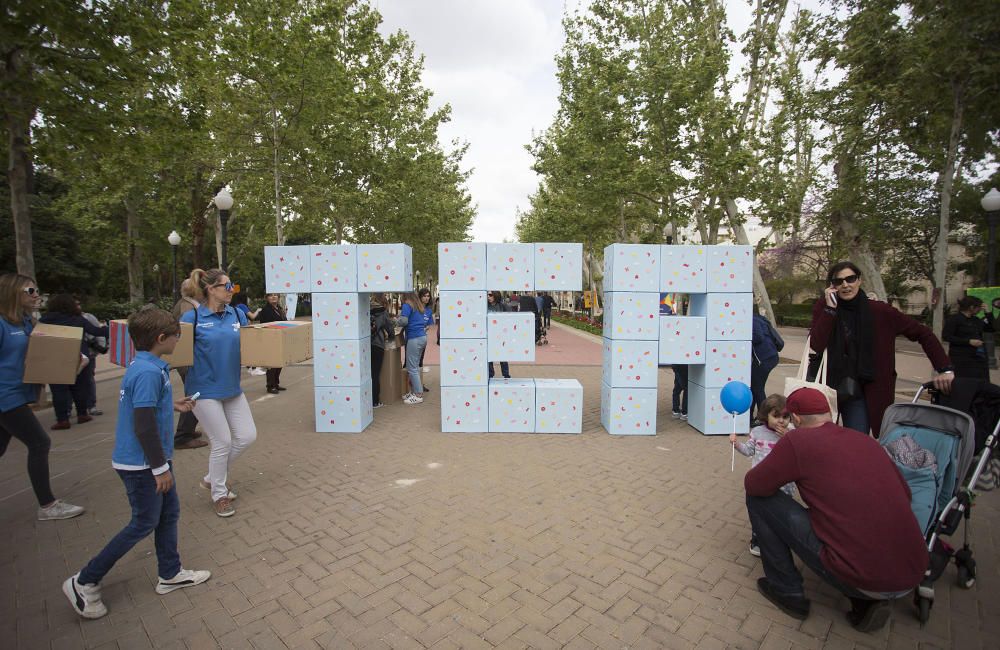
x,y
858,533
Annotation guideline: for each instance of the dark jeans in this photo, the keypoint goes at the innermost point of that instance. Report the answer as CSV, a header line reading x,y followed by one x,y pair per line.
x,y
680,404
151,513
377,355
65,396
504,369
22,424
548,317
91,379
854,414
187,421
759,373
273,376
781,526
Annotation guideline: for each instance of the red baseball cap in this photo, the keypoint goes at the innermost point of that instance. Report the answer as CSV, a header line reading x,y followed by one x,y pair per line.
x,y
807,401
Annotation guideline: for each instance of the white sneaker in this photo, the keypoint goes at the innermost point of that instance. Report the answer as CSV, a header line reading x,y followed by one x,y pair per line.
x,y
675,414
413,399
426,369
378,406
754,550
258,371
59,510
85,599
407,395
184,578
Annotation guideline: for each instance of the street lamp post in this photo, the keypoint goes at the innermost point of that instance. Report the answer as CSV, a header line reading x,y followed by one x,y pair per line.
x,y
224,202
991,204
418,281
175,240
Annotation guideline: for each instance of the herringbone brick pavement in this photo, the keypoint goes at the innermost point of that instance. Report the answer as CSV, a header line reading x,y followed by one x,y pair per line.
x,y
405,537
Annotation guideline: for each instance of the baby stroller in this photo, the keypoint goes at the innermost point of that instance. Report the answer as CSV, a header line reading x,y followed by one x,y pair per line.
x,y
542,337
933,446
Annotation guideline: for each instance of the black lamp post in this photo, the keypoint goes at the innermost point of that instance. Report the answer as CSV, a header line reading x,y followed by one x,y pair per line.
x,y
175,240
991,204
224,202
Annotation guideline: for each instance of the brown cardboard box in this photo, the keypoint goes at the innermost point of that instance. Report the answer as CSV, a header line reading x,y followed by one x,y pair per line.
x,y
53,354
275,345
392,382
121,351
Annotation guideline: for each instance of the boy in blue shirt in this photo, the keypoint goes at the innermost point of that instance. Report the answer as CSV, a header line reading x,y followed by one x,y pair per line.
x,y
143,447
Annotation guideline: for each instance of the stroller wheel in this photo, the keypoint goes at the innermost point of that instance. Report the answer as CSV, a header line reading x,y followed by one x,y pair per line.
x,y
966,576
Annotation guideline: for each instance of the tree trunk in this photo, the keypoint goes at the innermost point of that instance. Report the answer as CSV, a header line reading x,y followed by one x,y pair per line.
x,y
279,226
19,178
136,291
740,234
945,181
197,207
847,232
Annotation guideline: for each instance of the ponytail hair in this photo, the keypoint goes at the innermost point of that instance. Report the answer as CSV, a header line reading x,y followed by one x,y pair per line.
x,y
202,280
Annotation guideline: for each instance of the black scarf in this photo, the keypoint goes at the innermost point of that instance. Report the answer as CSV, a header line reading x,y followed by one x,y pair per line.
x,y
851,347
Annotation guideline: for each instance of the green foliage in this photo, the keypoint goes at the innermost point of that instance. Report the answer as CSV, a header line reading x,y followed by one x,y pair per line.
x,y
790,315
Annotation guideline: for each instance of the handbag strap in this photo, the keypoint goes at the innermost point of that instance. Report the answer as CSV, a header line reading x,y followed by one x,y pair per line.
x,y
804,364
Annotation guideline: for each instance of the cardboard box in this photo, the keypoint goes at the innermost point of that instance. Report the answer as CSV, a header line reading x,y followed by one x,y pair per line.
x,y
682,269
341,315
53,354
510,267
725,361
512,405
392,385
510,336
705,412
730,268
343,409
334,268
682,339
558,406
463,314
385,267
728,316
341,362
463,362
121,350
462,266
632,267
275,345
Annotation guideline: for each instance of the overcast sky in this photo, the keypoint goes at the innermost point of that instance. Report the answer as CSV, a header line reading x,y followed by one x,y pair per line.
x,y
494,62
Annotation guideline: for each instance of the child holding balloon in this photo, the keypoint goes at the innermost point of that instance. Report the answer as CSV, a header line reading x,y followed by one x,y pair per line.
x,y
762,440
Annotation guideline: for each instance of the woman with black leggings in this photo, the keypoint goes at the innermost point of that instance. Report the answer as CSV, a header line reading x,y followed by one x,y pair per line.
x,y
18,299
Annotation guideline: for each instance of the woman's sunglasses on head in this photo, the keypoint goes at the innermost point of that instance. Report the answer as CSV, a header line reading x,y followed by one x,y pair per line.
x,y
851,279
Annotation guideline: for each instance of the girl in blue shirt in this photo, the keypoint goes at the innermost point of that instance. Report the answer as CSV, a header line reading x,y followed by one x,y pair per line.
x,y
416,315
222,407
18,299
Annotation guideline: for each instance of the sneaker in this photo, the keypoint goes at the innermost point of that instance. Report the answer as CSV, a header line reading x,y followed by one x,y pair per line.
x,y
754,549
184,578
95,411
224,507
425,369
85,599
208,486
869,615
407,396
794,606
675,414
281,388
684,417
83,419
60,425
257,372
378,405
59,510
272,390
413,399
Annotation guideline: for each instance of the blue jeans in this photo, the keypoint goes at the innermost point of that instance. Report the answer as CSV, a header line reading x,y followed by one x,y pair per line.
x,y
680,386
151,513
781,526
414,350
854,414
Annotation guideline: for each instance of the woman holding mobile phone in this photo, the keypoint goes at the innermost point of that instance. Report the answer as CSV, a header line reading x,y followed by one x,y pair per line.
x,y
859,337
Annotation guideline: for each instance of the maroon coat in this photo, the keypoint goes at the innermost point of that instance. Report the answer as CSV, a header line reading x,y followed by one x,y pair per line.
x,y
889,323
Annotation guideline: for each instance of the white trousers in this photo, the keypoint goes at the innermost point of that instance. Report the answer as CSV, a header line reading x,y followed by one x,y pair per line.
x,y
230,428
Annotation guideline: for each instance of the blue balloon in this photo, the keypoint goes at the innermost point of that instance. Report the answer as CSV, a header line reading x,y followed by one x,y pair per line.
x,y
736,397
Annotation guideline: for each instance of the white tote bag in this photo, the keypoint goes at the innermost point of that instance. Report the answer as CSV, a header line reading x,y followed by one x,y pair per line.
x,y
799,380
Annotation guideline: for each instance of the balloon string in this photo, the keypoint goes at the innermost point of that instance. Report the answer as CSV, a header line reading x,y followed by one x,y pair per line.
x,y
732,467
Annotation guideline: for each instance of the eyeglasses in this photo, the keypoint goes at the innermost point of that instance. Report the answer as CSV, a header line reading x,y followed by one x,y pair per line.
x,y
31,291
228,285
851,279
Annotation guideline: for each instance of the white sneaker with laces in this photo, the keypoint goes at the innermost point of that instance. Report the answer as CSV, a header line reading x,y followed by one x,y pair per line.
x,y
258,371
413,399
85,599
184,578
59,510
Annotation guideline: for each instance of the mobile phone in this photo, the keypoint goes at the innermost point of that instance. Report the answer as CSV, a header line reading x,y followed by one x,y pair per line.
x,y
833,297
195,397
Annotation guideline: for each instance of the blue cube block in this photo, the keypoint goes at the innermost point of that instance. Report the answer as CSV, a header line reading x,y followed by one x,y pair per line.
x,y
632,267
385,267
510,336
559,267
462,266
632,315
558,406
705,412
682,269
343,409
730,268
728,316
340,316
463,314
628,411
512,405
342,362
334,269
287,269
682,340
463,362
510,267
725,361
630,364
464,409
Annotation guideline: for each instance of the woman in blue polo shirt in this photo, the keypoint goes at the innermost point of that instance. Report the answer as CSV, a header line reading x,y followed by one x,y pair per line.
x,y
416,316
222,407
18,299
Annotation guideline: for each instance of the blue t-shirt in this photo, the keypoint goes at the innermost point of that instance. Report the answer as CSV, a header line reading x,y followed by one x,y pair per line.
x,y
146,384
13,348
216,370
417,324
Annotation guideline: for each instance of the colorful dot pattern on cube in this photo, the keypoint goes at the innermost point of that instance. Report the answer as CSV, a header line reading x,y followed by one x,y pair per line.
x,y
334,268
462,266
713,339
510,336
287,269
510,267
463,314
463,362
558,406
559,267
385,267
512,405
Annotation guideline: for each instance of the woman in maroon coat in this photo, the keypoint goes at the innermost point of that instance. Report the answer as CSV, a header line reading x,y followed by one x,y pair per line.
x,y
859,336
